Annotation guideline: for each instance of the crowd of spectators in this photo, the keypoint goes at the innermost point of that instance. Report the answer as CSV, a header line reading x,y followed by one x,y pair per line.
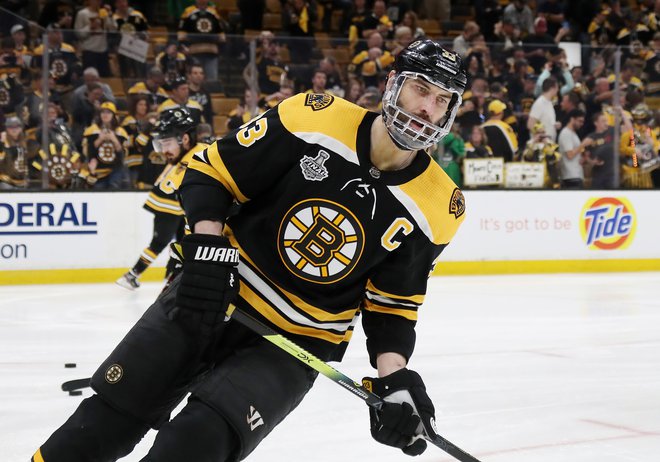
x,y
528,98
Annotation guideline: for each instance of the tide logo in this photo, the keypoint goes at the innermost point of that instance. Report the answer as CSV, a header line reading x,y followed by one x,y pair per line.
x,y
608,223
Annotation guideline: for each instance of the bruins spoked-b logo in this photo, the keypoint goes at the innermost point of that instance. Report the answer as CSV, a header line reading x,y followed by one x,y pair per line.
x,y
320,241
114,373
457,203
318,101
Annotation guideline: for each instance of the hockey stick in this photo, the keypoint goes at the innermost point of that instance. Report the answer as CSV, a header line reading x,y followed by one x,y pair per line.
x,y
73,385
333,374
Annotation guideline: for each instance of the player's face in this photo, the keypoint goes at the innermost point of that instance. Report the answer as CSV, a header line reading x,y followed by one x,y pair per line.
x,y
424,100
169,147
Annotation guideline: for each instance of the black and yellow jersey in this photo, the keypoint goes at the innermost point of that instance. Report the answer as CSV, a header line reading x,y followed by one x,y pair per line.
x,y
501,138
107,156
322,232
163,196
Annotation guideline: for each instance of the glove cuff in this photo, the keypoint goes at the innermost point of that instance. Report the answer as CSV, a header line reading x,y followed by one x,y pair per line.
x,y
403,379
209,248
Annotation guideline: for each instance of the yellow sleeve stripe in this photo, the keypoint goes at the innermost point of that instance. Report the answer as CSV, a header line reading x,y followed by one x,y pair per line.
x,y
37,457
211,164
269,313
317,313
417,299
408,314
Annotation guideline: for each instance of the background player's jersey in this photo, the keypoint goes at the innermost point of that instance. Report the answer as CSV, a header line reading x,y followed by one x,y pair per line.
x,y
163,197
322,232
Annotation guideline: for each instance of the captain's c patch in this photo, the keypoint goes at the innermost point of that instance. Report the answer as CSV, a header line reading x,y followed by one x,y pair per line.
x,y
457,203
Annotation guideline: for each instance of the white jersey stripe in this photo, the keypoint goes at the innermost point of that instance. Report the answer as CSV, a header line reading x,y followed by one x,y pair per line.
x,y
330,143
414,210
282,306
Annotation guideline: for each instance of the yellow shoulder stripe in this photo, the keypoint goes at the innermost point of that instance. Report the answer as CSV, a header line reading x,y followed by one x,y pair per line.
x,y
217,170
313,118
428,198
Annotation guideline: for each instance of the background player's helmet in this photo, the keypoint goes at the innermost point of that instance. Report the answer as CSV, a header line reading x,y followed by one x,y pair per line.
x,y
427,60
174,123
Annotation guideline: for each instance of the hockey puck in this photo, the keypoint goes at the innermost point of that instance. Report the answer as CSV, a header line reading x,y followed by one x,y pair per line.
x,y
69,365
75,393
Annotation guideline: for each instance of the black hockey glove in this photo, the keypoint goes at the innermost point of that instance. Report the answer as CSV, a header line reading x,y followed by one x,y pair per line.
x,y
209,282
407,415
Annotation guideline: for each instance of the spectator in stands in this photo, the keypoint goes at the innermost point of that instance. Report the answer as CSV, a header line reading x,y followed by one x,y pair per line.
x,y
553,12
627,78
32,112
14,156
502,140
410,20
104,145
298,18
368,64
370,99
22,52
152,87
476,146
334,81
252,14
358,14
270,69
202,30
461,43
378,21
403,37
132,22
246,110
91,77
543,109
507,36
12,96
179,92
153,162
84,111
354,89
569,103
449,154
540,148
536,45
92,25
171,61
272,100
319,81
652,67
478,57
63,63
556,67
571,149
135,123
197,92
58,129
329,6
520,14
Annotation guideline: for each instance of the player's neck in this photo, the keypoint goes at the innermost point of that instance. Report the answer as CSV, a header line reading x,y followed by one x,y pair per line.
x,y
385,155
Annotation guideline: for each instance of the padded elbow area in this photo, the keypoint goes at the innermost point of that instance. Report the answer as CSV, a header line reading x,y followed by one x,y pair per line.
x,y
95,431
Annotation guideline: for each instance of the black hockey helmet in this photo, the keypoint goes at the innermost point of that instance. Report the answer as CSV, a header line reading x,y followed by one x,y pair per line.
x,y
174,122
438,66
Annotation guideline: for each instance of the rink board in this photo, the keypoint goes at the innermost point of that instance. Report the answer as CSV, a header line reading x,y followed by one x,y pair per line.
x,y
94,237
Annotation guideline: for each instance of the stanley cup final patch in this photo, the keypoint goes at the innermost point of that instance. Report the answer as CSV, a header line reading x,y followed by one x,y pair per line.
x,y
313,168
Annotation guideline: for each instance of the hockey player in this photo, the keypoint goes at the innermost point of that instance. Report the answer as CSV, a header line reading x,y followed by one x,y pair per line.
x,y
342,212
175,135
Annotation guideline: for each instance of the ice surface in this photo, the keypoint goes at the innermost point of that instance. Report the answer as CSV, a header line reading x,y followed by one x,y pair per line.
x,y
561,368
